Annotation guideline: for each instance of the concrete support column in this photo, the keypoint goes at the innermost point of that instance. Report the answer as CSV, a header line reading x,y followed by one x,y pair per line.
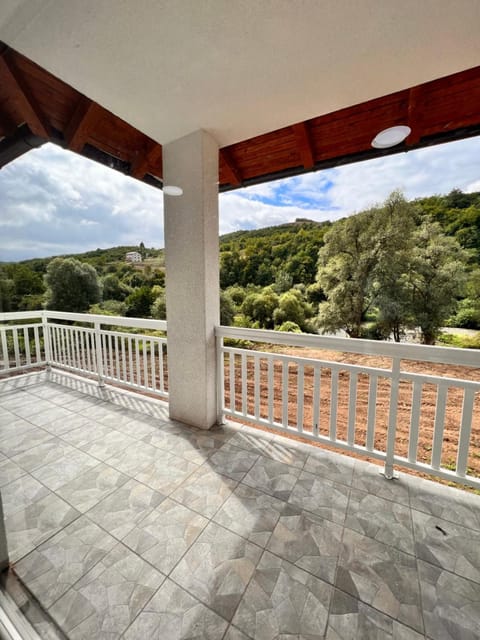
x,y
192,277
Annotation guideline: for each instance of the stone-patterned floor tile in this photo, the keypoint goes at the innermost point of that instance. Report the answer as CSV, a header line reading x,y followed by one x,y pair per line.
x,y
451,604
368,477
294,454
108,598
31,406
86,433
92,486
174,614
166,473
273,477
99,411
9,471
384,520
217,568
20,493
31,526
77,405
42,454
204,491
455,505
12,425
192,444
447,545
232,461
62,426
282,601
58,563
310,542
117,419
332,466
322,497
251,513
251,440
15,444
59,472
351,619
107,445
50,415
380,576
137,428
165,534
119,512
235,634
134,459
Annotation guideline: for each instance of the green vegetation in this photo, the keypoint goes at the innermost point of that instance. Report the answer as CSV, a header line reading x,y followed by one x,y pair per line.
x,y
396,266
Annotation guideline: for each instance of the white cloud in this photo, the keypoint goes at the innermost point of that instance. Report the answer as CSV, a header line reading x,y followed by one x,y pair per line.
x,y
53,201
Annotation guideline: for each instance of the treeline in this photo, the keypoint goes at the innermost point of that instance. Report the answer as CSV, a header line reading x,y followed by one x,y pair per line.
x,y
393,267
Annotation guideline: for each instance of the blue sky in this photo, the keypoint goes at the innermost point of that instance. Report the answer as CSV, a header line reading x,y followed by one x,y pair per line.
x,y
53,201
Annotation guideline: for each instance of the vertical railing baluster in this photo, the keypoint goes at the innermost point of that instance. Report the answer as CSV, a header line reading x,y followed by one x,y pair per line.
x,y
414,421
152,366
231,365
465,432
256,385
243,360
352,406
131,378
285,381
5,355
26,340
160,371
392,419
137,361
439,425
316,400
300,396
333,404
36,337
16,349
99,354
117,359
145,364
372,411
271,388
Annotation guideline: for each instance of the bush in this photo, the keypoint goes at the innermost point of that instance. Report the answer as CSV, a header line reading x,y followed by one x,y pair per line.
x,y
460,341
289,326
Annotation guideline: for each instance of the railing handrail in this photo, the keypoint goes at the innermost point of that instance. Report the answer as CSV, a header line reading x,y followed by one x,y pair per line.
x,y
121,321
426,353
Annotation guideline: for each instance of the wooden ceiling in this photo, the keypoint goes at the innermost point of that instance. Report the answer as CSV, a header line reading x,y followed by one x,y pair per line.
x,y
36,107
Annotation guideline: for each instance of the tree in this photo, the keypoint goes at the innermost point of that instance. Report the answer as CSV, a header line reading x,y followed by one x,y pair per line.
x,y
72,285
7,288
357,253
139,303
293,308
436,278
259,307
227,309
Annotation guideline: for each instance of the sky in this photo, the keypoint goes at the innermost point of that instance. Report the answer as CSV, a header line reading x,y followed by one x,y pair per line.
x,y
55,202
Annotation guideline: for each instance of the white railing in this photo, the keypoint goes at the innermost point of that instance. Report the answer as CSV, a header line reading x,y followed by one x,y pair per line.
x,y
375,411
81,343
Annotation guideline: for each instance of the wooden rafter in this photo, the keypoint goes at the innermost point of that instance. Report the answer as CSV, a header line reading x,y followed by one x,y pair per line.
x,y
304,144
15,88
414,115
233,174
83,121
143,161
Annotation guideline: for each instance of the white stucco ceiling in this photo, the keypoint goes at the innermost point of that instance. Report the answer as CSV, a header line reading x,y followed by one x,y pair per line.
x,y
239,68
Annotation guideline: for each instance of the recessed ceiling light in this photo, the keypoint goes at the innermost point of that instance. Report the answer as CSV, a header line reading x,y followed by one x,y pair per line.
x,y
171,190
390,137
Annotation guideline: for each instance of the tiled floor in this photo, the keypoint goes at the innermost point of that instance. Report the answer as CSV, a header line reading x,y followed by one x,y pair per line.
x,y
124,524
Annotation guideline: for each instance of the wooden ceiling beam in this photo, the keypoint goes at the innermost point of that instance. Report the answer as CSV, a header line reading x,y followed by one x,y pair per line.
x,y
15,88
85,117
414,115
234,176
145,160
304,144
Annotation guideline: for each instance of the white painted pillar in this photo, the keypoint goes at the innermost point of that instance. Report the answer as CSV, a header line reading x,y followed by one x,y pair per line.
x,y
192,277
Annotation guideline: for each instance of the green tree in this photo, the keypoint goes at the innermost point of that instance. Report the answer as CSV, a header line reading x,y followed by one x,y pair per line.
x,y
357,253
139,302
71,285
260,307
227,309
436,278
7,288
293,308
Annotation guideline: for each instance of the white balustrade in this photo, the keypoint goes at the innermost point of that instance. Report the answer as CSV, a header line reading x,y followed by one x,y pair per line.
x,y
363,409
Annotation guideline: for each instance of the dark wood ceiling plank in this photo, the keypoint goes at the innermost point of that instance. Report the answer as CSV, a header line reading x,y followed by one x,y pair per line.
x,y
85,117
304,144
415,115
16,88
232,172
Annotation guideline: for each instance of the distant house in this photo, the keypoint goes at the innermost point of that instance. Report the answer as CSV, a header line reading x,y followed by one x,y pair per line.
x,y
133,256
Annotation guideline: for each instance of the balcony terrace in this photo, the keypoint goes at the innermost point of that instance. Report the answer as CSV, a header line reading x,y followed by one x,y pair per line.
x,y
123,523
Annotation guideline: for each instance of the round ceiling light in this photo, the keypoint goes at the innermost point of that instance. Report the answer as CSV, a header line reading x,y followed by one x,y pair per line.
x,y
171,190
390,137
